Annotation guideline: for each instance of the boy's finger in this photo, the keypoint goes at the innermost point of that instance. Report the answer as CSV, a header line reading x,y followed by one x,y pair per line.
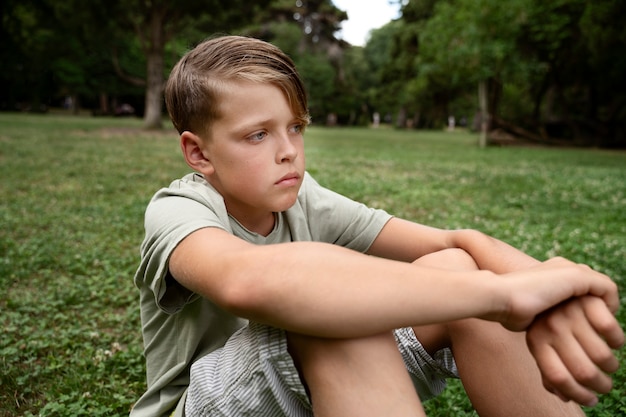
x,y
571,358
583,351
594,322
581,365
603,321
597,349
558,379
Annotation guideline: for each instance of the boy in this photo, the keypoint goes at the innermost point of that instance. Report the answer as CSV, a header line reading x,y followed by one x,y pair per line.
x,y
324,281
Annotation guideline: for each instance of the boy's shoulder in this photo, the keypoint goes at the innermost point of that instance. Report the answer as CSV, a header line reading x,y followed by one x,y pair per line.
x,y
187,200
193,186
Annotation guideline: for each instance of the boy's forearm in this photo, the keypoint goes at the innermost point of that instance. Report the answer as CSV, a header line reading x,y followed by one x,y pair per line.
x,y
334,292
325,290
343,293
490,253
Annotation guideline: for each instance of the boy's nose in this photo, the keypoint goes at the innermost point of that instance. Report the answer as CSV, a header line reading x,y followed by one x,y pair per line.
x,y
287,150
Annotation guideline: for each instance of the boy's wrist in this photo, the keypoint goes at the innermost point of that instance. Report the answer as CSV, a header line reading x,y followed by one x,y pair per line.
x,y
498,298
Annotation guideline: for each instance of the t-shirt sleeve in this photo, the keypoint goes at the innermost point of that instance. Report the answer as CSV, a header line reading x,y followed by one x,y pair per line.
x,y
337,219
173,214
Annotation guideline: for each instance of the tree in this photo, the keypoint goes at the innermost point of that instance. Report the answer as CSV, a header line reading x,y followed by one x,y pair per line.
x,y
603,29
469,41
24,54
577,95
54,49
402,77
155,23
82,59
378,80
546,71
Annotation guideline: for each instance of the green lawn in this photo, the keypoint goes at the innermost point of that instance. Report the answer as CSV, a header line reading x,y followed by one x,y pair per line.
x,y
72,196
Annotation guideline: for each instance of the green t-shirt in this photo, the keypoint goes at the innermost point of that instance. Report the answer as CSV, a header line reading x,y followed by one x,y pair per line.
x,y
180,326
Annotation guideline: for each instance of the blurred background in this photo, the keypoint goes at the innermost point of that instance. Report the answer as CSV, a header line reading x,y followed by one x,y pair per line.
x,y
517,70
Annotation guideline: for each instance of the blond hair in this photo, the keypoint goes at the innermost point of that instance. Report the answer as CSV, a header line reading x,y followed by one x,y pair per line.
x,y
193,88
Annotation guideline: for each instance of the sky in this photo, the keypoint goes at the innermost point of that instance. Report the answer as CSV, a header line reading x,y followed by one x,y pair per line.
x,y
362,17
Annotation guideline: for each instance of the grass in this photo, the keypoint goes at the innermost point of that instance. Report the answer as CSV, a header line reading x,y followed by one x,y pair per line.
x,y
73,194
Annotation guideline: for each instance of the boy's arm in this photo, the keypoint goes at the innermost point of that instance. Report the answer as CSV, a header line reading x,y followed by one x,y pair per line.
x,y
329,291
407,241
321,289
325,290
571,342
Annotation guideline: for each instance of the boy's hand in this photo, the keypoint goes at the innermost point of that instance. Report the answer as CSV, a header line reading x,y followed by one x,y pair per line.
x,y
536,289
572,346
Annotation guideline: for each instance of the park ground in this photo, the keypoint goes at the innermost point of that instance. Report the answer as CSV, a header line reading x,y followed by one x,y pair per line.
x,y
73,194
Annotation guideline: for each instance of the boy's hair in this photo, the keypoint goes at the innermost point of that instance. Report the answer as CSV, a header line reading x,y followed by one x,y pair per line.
x,y
193,89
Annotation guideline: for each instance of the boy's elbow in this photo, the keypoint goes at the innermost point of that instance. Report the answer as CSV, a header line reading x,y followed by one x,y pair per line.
x,y
240,278
243,296
463,238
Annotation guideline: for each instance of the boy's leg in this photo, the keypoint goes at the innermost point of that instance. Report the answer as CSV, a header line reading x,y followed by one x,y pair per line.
x,y
496,368
360,377
367,376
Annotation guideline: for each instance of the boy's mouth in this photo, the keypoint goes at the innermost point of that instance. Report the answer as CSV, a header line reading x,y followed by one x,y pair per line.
x,y
290,179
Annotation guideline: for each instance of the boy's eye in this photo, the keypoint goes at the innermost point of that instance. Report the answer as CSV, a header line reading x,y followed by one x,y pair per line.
x,y
296,128
257,136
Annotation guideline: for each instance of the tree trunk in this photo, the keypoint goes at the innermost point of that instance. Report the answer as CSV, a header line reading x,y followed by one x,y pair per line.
x,y
154,87
401,120
484,113
104,103
154,92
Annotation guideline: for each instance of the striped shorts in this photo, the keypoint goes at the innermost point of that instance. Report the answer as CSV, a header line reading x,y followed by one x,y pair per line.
x,y
254,375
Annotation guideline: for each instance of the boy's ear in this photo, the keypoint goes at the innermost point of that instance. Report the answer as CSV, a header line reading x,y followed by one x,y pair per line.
x,y
195,153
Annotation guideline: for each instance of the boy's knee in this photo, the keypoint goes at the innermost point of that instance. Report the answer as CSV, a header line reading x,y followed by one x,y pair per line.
x,y
302,345
454,259
318,352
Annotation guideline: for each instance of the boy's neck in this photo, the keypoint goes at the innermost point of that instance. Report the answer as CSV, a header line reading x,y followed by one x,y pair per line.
x,y
262,225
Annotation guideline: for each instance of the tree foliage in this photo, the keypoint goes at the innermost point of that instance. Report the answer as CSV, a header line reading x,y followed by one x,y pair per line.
x,y
154,23
550,71
88,48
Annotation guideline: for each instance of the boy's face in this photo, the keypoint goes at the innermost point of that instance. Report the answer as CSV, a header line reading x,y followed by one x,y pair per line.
x,y
255,152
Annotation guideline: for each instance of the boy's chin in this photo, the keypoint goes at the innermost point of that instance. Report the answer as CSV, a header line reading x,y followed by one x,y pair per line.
x,y
285,205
